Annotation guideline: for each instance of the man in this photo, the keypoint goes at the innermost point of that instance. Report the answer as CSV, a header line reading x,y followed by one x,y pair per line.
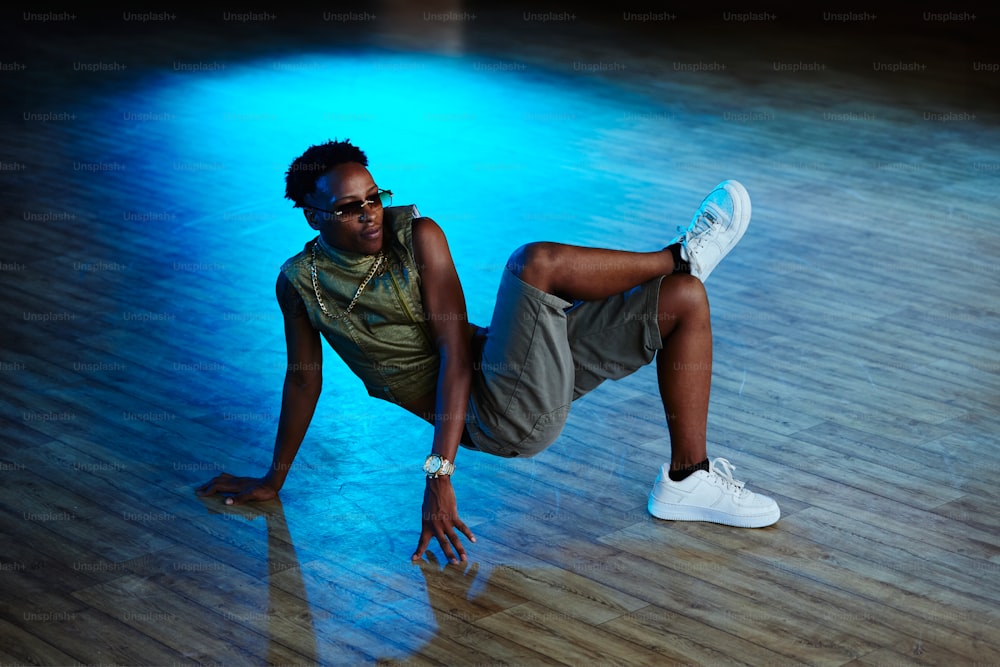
x,y
380,285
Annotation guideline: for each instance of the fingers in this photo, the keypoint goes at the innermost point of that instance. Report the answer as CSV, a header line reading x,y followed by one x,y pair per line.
x,y
241,489
239,498
465,530
446,538
449,541
215,485
453,538
425,539
250,494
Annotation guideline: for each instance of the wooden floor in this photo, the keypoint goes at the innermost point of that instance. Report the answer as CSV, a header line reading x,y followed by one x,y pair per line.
x,y
857,327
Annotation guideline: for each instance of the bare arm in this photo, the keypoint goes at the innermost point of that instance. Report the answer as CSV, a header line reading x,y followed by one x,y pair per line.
x,y
303,380
303,383
444,307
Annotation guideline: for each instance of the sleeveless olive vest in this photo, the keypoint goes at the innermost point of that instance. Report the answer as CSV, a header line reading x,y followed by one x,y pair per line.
x,y
385,339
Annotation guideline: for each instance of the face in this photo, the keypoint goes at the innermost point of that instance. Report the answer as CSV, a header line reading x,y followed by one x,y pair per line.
x,y
345,184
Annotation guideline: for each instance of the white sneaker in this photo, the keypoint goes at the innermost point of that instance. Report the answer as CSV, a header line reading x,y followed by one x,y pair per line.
x,y
717,226
711,496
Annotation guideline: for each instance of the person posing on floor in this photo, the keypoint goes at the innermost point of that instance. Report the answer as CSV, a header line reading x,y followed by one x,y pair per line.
x,y
379,284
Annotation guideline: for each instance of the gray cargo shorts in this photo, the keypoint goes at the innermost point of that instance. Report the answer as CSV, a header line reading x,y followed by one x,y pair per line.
x,y
541,353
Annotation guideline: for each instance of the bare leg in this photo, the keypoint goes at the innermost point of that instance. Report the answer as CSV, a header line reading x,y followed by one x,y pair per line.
x,y
683,365
574,272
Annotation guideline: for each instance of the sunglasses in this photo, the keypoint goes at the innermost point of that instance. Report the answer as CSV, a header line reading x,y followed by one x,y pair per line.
x,y
353,209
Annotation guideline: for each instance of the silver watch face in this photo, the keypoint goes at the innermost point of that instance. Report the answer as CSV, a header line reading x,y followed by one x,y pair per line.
x,y
433,464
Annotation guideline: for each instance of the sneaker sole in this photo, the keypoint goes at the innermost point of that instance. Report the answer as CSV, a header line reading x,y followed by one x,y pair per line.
x,y
682,513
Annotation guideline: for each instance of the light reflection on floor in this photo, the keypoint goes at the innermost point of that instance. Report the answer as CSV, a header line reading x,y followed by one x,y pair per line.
x,y
498,158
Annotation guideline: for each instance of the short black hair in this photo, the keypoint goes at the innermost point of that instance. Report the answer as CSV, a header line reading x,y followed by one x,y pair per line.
x,y
300,179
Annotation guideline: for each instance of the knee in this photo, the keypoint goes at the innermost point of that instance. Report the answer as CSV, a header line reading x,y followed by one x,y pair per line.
x,y
532,262
682,294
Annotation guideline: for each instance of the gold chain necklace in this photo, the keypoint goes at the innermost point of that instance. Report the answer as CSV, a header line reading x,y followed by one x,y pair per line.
x,y
379,258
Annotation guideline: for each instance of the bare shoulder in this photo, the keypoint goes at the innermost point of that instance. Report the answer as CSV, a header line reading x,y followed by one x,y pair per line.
x,y
430,245
427,230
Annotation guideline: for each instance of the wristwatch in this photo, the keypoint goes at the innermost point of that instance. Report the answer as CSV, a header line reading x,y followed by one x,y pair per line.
x,y
437,466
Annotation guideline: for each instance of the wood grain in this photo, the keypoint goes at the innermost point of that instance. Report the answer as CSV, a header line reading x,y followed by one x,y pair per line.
x,y
856,373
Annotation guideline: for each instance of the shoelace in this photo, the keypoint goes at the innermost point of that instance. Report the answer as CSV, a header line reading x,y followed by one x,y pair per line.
x,y
698,230
726,475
